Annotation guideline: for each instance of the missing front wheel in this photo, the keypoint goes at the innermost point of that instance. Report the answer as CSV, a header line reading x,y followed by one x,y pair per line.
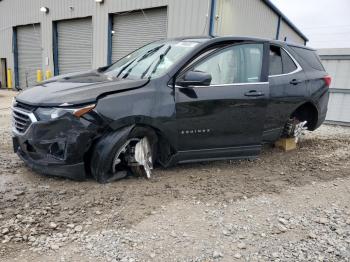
x,y
135,155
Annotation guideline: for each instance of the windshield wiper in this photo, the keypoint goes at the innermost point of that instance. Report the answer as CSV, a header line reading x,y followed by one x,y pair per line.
x,y
147,54
133,60
160,60
125,67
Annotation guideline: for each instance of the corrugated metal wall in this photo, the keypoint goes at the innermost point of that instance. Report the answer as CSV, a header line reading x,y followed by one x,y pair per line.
x,y
74,45
29,54
185,17
287,32
136,29
337,64
24,12
251,18
339,108
245,18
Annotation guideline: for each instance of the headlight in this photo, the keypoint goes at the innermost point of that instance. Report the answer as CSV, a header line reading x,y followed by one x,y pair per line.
x,y
52,113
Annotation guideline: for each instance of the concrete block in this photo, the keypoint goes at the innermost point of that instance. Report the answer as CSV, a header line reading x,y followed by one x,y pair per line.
x,y
287,144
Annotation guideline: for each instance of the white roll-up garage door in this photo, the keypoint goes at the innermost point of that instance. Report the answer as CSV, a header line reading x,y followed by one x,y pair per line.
x,y
135,29
74,45
29,54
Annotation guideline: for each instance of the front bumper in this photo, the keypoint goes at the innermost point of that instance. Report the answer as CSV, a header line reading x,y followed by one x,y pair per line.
x,y
73,171
56,147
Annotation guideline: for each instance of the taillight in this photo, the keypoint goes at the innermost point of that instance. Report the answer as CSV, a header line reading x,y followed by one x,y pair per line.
x,y
328,80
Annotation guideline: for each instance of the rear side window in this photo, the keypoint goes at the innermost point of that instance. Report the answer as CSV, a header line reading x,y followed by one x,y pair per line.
x,y
310,57
275,61
288,63
280,62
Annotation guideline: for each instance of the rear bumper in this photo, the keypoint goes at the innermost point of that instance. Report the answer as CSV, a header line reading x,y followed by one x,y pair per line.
x,y
57,147
320,120
322,107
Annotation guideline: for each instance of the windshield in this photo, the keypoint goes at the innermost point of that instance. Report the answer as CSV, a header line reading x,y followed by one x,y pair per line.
x,y
151,60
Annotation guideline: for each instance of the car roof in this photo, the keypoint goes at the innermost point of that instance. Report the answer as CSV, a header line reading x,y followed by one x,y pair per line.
x,y
291,44
218,38
203,39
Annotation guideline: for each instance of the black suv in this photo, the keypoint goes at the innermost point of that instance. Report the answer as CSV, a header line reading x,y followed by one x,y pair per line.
x,y
173,101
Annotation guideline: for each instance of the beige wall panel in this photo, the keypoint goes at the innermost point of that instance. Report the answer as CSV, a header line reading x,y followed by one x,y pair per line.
x,y
292,36
245,18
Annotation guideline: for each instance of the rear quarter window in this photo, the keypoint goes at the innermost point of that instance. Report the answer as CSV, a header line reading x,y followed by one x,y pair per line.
x,y
310,57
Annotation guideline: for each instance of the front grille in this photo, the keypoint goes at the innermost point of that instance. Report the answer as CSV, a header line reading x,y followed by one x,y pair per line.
x,y
26,107
22,118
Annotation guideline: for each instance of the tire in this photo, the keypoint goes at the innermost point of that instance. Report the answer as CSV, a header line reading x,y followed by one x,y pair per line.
x,y
105,150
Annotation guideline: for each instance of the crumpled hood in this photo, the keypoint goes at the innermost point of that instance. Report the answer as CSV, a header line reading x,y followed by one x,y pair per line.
x,y
74,89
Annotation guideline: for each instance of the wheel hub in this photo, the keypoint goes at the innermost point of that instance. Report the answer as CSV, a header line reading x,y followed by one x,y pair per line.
x,y
135,152
124,156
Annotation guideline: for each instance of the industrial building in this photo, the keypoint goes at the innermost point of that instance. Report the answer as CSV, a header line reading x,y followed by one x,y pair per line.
x,y
337,63
66,36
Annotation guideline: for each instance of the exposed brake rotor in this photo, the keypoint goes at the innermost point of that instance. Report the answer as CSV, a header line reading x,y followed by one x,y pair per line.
x,y
299,130
121,160
135,152
143,155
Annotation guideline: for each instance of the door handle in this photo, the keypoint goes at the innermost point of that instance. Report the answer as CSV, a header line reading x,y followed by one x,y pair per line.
x,y
295,82
254,93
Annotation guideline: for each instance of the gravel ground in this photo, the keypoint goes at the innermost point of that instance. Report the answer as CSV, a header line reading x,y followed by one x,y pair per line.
x,y
281,207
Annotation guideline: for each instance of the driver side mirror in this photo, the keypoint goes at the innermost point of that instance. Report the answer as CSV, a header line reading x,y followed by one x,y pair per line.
x,y
194,78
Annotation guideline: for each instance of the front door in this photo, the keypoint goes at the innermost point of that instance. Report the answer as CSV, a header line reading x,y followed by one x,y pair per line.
x,y
230,112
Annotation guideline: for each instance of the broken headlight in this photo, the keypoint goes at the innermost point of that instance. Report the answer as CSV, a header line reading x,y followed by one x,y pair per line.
x,y
45,113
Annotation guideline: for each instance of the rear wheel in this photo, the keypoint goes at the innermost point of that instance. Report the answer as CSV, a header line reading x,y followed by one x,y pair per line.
x,y
303,118
294,128
289,128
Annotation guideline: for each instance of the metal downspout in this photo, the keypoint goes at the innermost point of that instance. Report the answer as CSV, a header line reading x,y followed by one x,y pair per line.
x,y
56,69
278,27
212,17
110,35
15,56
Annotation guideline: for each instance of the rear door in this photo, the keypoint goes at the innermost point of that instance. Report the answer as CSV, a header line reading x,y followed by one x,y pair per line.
x,y
229,113
287,90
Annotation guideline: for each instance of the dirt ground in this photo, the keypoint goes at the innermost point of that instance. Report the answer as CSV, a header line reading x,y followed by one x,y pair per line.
x,y
291,206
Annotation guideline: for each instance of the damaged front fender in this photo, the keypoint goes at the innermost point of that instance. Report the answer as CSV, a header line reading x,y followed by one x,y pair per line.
x,y
103,155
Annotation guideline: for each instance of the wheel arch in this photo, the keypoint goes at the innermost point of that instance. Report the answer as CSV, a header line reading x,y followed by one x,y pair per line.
x,y
165,150
307,111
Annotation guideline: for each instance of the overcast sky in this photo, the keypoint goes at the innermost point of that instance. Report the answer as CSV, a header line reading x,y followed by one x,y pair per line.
x,y
325,22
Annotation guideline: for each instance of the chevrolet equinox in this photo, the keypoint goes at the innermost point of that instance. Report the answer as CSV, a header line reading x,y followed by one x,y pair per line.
x,y
172,101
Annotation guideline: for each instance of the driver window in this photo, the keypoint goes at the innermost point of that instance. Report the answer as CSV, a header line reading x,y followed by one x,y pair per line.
x,y
234,64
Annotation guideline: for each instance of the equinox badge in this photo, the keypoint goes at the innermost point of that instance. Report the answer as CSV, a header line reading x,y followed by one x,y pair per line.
x,y
195,131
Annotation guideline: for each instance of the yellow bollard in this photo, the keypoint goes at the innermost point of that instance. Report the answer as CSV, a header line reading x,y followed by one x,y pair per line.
x,y
48,74
39,76
9,78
